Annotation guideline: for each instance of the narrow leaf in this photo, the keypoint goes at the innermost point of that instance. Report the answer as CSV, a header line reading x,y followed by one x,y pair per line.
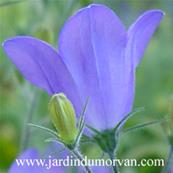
x,y
123,121
81,123
82,115
143,125
57,140
92,129
85,139
44,128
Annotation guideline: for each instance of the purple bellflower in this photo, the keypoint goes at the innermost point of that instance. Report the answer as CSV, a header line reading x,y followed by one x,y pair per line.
x,y
97,58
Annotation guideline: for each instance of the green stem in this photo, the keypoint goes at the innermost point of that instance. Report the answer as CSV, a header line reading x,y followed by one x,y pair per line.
x,y
26,131
107,140
79,156
114,167
167,164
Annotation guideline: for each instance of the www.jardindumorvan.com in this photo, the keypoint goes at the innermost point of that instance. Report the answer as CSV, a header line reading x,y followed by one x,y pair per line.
x,y
71,161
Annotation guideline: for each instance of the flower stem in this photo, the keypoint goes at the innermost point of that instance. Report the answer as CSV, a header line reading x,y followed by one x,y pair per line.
x,y
78,155
167,164
114,167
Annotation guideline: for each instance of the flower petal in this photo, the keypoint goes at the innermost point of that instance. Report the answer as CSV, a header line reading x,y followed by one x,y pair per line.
x,y
91,45
102,169
140,33
31,155
41,65
28,154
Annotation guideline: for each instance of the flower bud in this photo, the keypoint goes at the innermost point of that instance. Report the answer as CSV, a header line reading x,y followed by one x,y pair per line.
x,y
63,117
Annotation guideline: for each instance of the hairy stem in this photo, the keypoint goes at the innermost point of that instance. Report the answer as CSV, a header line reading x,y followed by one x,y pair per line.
x,y
167,164
114,167
79,156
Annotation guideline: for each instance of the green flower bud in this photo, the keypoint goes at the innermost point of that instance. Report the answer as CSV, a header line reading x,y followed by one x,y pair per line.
x,y
63,117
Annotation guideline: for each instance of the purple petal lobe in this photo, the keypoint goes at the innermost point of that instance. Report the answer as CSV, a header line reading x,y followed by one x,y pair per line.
x,y
28,154
41,65
102,169
141,31
32,163
92,45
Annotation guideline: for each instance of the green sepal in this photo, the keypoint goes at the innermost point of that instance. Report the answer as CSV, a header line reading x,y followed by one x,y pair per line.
x,y
108,139
140,126
57,140
95,131
86,139
50,131
119,126
82,115
81,124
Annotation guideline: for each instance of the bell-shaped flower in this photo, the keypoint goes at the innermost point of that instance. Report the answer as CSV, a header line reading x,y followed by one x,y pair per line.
x,y
97,58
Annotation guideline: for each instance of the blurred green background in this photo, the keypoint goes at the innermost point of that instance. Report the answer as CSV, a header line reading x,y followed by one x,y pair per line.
x,y
43,19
